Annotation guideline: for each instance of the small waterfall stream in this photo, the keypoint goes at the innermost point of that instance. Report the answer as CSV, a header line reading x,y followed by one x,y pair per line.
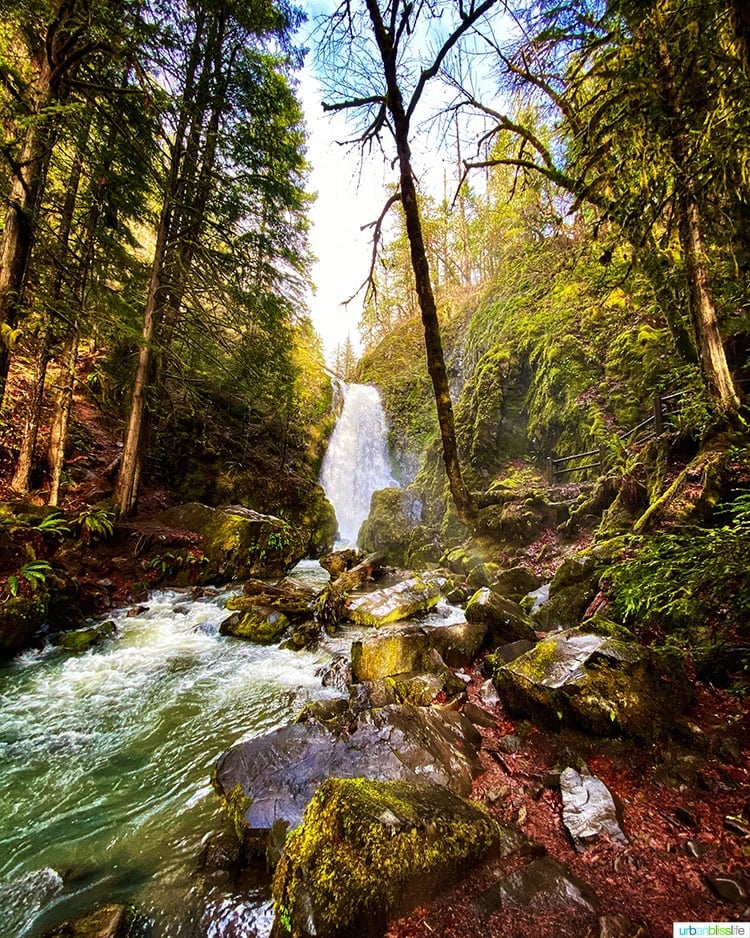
x,y
356,463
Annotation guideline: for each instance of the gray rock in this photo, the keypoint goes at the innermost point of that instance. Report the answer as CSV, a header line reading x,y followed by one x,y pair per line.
x,y
457,644
601,684
272,778
478,715
395,650
394,603
488,694
505,620
515,583
513,650
589,810
337,674
542,884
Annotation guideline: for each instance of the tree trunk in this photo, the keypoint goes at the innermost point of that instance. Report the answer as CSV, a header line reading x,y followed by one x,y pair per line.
x,y
21,475
433,341
59,431
741,22
703,316
18,232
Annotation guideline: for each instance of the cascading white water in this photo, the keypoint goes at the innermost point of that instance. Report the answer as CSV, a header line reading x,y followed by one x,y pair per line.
x,y
356,462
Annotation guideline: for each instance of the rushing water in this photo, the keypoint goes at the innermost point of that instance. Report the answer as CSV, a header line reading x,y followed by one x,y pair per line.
x,y
106,757
356,463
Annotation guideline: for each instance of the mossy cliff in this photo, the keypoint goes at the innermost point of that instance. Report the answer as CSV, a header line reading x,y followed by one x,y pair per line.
x,y
367,851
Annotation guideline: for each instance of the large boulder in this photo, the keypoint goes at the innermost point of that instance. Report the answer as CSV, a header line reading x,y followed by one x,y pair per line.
x,y
394,603
505,620
269,780
601,684
260,624
368,851
429,648
238,542
393,514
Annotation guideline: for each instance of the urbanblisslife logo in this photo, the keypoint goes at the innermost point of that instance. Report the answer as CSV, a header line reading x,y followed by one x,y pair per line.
x,y
701,929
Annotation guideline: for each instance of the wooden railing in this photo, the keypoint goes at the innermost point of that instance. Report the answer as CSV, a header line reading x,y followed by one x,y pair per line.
x,y
665,406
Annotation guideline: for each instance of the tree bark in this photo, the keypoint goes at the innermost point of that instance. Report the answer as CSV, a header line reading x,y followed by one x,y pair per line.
x,y
703,315
59,431
428,308
22,473
18,231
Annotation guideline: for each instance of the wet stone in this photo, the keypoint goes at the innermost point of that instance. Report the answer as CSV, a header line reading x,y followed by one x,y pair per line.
x,y
736,826
509,744
513,650
478,715
488,694
694,848
589,810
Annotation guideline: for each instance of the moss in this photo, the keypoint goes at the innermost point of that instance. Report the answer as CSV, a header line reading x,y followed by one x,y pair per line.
x,y
262,625
367,850
236,806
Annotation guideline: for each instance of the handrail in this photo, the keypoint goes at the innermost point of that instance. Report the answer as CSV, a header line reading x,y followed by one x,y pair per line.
x,y
657,418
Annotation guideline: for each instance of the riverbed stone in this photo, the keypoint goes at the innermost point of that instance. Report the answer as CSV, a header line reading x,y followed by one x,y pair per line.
x,y
81,640
271,778
260,624
392,651
108,921
588,810
398,602
369,851
457,644
505,620
600,684
238,542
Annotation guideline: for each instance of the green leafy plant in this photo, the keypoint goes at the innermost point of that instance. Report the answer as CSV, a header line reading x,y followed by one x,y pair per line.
x,y
35,573
54,523
96,524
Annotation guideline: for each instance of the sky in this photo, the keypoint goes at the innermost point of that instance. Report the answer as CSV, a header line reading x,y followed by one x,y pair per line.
x,y
347,199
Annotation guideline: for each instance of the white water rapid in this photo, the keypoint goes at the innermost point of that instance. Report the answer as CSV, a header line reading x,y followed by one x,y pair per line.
x,y
356,462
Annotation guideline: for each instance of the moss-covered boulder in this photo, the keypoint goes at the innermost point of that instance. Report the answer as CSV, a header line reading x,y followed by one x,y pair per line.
x,y
21,617
317,522
260,624
393,514
238,542
392,651
598,683
81,640
394,603
368,851
515,583
505,620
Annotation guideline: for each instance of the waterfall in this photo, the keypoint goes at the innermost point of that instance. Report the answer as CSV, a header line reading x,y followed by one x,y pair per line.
x,y
356,463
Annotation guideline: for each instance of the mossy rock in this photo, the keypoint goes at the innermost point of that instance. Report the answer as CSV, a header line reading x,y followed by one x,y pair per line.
x,y
21,617
392,651
515,583
238,542
394,603
318,522
505,620
393,514
260,624
109,921
603,685
81,640
368,851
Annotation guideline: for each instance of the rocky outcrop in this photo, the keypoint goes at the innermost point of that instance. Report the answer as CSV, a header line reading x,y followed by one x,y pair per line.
x,y
237,542
573,587
393,514
603,685
269,780
370,850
